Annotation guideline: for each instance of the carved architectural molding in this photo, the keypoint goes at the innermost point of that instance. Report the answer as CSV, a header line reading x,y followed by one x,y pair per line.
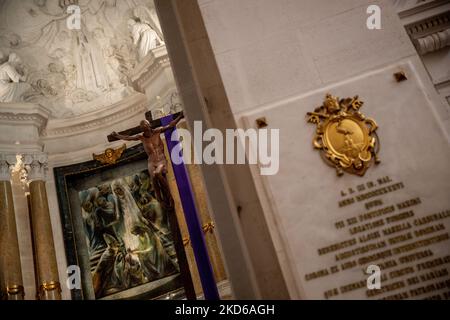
x,y
427,23
24,114
154,75
128,107
36,165
154,63
433,42
7,163
21,117
159,65
168,104
21,125
407,8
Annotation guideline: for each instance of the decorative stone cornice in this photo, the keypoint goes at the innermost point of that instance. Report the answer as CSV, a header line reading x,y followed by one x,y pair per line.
x,y
428,26
155,62
429,30
129,107
36,165
410,8
153,69
24,114
21,117
7,163
433,42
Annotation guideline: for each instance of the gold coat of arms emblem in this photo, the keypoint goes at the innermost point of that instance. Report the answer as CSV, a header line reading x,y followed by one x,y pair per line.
x,y
347,139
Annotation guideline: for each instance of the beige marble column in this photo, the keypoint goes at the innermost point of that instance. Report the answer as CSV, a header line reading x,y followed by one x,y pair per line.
x,y
11,282
49,287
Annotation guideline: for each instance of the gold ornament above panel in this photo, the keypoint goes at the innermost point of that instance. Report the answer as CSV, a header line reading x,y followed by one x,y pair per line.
x,y
347,140
110,156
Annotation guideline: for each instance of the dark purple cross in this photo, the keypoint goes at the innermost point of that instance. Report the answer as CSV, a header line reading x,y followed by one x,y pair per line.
x,y
192,218
190,211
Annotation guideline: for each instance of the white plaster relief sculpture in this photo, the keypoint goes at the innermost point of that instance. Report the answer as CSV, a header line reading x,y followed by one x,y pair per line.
x,y
111,63
144,37
12,82
72,72
147,14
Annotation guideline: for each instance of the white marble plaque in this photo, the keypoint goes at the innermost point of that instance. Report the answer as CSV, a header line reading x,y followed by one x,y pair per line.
x,y
397,216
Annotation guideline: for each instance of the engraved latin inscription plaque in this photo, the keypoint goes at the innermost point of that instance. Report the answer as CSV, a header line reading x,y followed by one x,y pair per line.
x,y
396,216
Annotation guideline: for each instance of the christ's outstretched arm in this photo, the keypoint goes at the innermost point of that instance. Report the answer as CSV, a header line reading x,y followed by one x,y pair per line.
x,y
172,124
126,138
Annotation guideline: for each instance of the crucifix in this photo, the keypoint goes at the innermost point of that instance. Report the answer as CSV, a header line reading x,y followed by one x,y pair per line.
x,y
149,132
157,162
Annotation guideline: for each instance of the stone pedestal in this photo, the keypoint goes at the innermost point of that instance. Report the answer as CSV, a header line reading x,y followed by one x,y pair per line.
x,y
10,269
49,287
